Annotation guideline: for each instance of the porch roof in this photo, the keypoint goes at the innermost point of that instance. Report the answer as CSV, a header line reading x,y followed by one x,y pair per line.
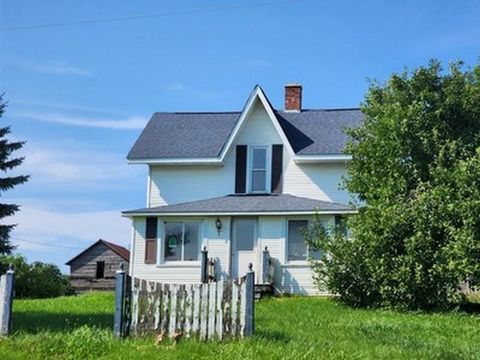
x,y
247,204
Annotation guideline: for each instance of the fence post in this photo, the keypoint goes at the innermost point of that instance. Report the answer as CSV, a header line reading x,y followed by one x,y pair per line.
x,y
120,287
250,303
7,302
204,268
265,266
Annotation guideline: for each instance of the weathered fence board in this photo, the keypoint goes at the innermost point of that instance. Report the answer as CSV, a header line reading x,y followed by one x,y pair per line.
x,y
215,310
6,300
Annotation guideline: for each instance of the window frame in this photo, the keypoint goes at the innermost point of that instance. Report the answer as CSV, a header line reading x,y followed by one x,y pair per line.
x,y
161,248
268,169
287,241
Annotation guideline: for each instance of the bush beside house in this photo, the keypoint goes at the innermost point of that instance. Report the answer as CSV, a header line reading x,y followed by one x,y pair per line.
x,y
415,170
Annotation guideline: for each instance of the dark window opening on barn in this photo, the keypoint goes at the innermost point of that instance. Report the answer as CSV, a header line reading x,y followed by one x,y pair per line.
x,y
100,273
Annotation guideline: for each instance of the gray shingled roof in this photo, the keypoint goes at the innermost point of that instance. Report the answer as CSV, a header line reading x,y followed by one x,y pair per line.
x,y
199,135
248,204
184,135
318,132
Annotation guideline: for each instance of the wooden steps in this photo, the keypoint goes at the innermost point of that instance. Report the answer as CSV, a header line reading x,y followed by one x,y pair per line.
x,y
262,290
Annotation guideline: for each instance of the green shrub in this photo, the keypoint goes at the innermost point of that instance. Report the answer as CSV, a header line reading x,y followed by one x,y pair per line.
x,y
36,280
416,172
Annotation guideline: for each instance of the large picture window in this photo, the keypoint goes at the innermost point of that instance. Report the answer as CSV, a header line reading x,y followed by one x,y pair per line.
x,y
258,172
181,241
297,247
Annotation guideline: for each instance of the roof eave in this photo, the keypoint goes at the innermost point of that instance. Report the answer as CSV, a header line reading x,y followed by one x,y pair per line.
x,y
302,159
233,213
176,161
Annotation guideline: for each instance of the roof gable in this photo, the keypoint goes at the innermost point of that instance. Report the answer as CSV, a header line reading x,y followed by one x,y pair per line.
x,y
206,138
119,250
257,96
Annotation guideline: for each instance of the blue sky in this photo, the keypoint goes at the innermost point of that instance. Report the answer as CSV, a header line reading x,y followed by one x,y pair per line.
x,y
80,94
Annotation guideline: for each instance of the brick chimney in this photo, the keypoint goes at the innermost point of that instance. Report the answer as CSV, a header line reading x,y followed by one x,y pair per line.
x,y
293,97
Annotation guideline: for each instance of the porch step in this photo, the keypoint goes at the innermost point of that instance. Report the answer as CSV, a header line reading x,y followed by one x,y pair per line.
x,y
262,290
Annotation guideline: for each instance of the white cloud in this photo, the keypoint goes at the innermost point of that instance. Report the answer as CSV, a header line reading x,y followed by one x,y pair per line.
x,y
175,87
56,236
60,68
49,67
76,168
64,106
130,123
36,223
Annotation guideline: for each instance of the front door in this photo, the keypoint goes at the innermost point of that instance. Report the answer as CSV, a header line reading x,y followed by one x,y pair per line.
x,y
244,245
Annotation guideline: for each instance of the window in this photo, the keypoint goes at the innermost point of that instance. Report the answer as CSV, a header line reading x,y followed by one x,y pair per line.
x,y
297,247
151,240
258,169
244,234
341,225
100,271
181,241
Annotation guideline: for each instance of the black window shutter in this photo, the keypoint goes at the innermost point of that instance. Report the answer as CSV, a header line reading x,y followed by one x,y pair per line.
x,y
241,169
151,240
277,167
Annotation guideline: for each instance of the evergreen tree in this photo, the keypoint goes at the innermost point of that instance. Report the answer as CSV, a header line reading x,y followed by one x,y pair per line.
x,y
8,182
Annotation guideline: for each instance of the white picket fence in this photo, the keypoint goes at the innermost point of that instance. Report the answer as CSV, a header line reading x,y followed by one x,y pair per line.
x,y
216,310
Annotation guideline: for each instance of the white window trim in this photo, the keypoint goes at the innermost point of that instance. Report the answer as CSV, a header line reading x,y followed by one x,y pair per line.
x,y
161,243
309,220
268,168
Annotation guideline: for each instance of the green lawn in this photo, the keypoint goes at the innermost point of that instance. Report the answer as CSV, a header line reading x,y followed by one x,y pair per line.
x,y
298,328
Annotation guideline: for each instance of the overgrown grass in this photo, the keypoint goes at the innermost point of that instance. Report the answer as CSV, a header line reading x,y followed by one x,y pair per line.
x,y
297,328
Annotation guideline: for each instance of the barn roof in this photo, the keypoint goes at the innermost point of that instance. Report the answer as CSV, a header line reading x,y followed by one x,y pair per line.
x,y
118,249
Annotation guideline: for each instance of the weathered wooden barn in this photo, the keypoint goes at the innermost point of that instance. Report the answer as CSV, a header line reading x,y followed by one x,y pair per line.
x,y
94,268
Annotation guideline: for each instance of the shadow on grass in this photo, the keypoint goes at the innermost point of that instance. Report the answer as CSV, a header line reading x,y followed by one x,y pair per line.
x,y
273,336
37,321
470,308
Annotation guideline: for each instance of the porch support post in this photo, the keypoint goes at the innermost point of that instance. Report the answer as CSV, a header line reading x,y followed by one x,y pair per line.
x,y
265,266
204,266
120,287
6,301
250,301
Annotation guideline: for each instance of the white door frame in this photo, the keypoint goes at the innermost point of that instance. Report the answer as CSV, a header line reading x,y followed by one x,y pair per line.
x,y
234,253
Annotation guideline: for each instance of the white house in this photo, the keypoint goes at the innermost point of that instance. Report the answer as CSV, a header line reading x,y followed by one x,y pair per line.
x,y
235,183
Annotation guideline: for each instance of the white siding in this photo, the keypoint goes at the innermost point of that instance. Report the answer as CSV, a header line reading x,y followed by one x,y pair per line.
x,y
167,274
170,184
272,235
295,280
217,245
315,181
175,184
293,277
258,129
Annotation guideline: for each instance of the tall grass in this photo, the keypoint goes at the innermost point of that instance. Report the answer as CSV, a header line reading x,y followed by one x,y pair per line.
x,y
286,328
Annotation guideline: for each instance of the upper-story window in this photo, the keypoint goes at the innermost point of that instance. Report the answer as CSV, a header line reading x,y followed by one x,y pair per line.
x,y
258,169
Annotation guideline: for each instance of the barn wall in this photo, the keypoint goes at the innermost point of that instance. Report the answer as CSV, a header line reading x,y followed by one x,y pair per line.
x,y
83,269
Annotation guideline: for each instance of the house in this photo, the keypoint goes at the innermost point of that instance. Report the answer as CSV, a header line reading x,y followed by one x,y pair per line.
x,y
94,268
237,183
